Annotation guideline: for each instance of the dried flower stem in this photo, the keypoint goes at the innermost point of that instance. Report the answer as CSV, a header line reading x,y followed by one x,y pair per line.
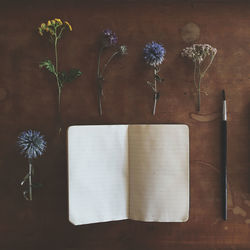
x,y
155,91
99,82
209,64
100,76
54,28
107,63
58,85
153,85
202,55
199,89
30,180
198,74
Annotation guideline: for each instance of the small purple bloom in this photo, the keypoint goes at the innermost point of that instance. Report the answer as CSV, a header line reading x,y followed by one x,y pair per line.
x,y
109,38
31,143
154,54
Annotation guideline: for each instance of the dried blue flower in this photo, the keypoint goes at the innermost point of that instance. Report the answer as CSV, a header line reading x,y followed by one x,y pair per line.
x,y
109,38
154,54
31,143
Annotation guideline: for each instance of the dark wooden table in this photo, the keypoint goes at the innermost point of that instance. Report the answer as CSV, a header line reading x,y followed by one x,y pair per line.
x,y
28,98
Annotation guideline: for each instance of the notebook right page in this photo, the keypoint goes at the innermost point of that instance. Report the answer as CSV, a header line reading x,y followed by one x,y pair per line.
x,y
159,172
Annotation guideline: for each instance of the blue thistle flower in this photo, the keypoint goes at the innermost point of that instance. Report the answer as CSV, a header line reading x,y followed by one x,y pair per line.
x,y
154,53
109,38
31,143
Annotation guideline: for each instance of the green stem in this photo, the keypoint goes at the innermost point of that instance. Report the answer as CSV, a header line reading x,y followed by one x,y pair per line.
x,y
155,91
199,89
107,63
30,180
99,83
100,76
195,70
59,87
99,61
60,34
56,56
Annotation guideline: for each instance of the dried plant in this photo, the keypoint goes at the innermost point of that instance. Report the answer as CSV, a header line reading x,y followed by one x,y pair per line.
x,y
202,55
154,56
54,30
32,145
108,40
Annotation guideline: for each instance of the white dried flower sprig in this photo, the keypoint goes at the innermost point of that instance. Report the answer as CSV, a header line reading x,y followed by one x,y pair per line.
x,y
202,55
198,52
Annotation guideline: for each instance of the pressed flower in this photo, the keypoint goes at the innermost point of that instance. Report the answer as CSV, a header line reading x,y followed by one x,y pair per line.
x,y
31,144
202,55
56,29
153,54
108,39
199,52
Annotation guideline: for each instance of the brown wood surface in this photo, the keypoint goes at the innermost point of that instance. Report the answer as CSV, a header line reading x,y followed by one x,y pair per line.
x,y
28,98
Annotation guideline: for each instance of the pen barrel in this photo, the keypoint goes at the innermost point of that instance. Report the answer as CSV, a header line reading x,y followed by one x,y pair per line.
x,y
224,167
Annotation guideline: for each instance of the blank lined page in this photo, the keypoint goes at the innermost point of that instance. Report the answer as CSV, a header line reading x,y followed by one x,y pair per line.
x,y
98,172
159,172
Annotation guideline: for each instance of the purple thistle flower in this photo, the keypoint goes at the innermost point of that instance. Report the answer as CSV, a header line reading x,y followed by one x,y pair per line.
x,y
109,38
154,54
31,143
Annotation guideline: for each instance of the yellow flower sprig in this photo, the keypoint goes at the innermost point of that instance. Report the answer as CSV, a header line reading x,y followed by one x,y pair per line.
x,y
54,27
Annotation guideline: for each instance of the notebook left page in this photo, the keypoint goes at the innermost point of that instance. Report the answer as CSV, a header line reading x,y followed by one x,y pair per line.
x,y
97,173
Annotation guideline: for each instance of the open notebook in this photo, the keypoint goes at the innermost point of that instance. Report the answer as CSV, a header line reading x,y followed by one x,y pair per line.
x,y
138,172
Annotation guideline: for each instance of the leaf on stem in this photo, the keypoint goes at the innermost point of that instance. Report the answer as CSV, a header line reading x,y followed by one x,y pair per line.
x,y
25,195
25,179
158,78
37,185
69,76
151,85
48,65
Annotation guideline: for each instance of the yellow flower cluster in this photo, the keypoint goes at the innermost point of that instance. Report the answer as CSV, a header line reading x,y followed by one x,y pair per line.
x,y
52,25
